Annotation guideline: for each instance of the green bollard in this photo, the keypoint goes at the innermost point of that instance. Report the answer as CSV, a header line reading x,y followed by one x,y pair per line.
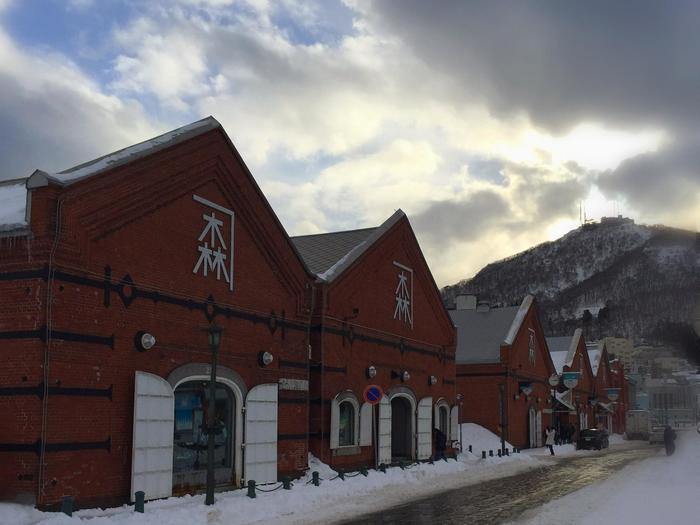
x,y
287,483
140,496
470,448
401,465
483,454
251,488
341,475
382,467
314,477
363,471
67,505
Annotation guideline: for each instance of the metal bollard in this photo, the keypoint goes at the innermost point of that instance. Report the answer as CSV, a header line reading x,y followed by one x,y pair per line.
x,y
314,477
363,471
382,467
402,466
67,505
483,454
287,483
140,496
341,474
470,448
490,453
507,452
251,488
499,453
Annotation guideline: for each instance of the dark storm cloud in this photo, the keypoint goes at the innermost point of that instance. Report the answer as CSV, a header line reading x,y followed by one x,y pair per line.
x,y
447,221
624,63
657,182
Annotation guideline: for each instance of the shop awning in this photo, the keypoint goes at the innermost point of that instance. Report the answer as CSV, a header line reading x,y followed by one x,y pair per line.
x,y
606,407
565,399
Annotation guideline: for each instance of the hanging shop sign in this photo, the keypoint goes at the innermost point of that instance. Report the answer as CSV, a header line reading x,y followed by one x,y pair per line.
x,y
613,393
570,379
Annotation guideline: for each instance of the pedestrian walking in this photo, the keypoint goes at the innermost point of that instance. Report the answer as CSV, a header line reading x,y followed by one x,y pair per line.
x,y
549,439
669,440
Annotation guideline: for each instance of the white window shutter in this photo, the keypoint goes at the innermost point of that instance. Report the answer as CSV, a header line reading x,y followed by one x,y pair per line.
x,y
454,423
152,445
366,425
384,431
261,433
424,434
335,423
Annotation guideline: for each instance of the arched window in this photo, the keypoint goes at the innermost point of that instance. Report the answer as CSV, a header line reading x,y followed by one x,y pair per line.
x,y
346,424
345,421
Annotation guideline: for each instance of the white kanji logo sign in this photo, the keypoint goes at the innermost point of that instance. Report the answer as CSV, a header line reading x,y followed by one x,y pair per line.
x,y
403,296
215,253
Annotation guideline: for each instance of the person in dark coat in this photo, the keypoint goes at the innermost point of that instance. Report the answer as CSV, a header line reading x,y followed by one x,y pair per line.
x,y
669,440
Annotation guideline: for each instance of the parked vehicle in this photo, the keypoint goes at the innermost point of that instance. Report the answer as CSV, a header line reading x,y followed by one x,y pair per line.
x,y
637,424
592,438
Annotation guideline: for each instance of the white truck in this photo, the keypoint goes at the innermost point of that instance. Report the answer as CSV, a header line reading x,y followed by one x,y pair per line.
x,y
638,425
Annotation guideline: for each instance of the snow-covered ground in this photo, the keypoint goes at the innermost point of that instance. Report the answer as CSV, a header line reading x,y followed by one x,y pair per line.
x,y
306,503
660,490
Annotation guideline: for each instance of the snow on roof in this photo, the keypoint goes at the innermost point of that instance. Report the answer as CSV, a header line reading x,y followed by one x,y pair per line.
x,y
134,152
594,357
519,318
563,349
13,205
313,248
559,359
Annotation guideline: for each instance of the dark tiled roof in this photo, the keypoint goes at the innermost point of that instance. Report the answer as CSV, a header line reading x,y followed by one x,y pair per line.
x,y
321,251
481,334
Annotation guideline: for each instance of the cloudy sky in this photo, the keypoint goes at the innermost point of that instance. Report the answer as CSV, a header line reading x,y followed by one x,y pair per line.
x,y
487,122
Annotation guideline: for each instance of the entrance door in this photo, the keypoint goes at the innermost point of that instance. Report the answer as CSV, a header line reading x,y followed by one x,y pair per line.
x,y
190,435
532,428
401,429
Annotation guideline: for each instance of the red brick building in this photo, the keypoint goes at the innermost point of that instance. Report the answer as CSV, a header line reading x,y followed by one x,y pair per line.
x,y
503,369
378,320
162,238
573,407
621,403
604,408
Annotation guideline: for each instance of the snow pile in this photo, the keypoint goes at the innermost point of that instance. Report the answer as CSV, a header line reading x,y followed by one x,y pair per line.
x,y
13,202
480,439
658,490
305,503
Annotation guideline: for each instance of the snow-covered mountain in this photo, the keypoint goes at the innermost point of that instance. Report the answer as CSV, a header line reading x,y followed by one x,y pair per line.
x,y
613,278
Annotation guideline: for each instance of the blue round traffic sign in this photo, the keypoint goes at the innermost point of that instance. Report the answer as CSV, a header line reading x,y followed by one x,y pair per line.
x,y
373,394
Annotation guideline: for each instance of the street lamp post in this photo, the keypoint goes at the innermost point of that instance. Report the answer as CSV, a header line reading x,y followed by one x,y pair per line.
x,y
214,335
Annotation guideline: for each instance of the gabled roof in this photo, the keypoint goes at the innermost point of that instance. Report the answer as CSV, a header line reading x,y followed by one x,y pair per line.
x,y
124,156
563,350
330,254
594,354
480,334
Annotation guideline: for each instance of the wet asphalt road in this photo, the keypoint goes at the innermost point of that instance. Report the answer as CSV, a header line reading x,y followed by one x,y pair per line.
x,y
505,499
